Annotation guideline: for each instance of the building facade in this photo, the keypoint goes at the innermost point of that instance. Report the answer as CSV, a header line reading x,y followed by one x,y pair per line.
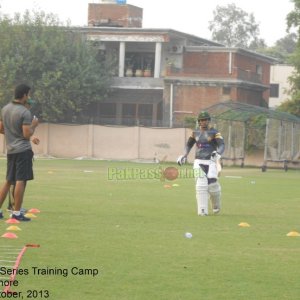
x,y
162,76
279,84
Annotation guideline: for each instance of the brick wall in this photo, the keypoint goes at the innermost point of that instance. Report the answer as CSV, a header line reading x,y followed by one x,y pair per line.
x,y
207,78
121,15
206,64
195,98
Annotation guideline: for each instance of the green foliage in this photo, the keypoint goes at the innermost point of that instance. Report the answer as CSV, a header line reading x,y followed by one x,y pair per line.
x,y
288,43
292,105
282,49
293,18
190,122
255,133
65,72
233,27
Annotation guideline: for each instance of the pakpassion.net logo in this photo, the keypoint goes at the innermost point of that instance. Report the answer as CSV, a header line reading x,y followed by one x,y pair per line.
x,y
160,173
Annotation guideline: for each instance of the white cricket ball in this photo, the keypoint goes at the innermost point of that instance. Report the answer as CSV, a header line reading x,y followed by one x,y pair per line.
x,y
188,235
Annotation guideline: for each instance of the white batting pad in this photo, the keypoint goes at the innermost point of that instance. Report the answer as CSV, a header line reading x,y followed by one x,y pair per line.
x,y
202,196
214,190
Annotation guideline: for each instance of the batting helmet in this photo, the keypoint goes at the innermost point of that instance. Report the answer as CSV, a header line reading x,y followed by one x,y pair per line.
x,y
203,115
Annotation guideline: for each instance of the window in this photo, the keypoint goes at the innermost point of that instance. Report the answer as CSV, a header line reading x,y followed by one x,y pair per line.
x,y
129,114
226,90
259,69
139,60
274,90
107,109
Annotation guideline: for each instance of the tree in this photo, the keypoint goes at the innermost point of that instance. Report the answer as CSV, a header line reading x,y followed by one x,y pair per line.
x,y
282,49
64,71
233,27
288,43
293,104
293,18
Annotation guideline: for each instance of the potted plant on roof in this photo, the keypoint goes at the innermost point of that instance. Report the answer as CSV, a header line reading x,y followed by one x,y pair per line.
x,y
138,73
129,66
147,71
129,71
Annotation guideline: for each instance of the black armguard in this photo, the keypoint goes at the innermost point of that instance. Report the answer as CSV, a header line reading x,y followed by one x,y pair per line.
x,y
189,145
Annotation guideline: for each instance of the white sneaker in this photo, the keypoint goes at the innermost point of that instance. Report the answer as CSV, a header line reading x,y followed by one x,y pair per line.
x,y
216,210
202,214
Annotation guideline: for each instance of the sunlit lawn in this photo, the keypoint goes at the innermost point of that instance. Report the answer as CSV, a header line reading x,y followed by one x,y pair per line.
x,y
132,233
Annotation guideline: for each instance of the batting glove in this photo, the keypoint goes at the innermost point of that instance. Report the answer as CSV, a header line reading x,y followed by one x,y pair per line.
x,y
181,160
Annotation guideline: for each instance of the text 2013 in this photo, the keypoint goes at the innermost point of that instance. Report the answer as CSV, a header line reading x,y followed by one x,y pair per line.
x,y
36,294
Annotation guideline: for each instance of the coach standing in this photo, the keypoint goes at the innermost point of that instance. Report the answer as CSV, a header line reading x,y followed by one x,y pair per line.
x,y
17,124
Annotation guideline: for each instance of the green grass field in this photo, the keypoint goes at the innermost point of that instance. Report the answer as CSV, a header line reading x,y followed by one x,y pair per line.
x,y
132,232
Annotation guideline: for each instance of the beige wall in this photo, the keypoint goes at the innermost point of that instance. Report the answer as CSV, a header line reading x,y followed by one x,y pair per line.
x,y
108,142
115,143
280,75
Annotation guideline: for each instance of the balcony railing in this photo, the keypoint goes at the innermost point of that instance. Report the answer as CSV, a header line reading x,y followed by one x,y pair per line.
x,y
237,73
138,82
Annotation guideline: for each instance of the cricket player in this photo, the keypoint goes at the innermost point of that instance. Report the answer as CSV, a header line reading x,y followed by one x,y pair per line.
x,y
209,148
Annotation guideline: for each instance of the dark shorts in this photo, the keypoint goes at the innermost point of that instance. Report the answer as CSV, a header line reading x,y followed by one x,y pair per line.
x,y
19,166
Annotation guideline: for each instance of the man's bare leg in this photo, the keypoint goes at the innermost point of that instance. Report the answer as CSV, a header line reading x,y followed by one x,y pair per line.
x,y
19,194
4,191
3,194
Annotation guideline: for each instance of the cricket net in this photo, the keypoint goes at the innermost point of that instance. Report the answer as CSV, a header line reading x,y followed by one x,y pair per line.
x,y
245,127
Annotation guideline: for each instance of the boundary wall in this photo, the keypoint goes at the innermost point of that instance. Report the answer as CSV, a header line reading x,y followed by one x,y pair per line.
x,y
108,142
116,143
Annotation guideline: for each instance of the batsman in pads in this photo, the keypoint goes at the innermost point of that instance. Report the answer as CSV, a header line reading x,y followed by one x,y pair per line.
x,y
209,148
